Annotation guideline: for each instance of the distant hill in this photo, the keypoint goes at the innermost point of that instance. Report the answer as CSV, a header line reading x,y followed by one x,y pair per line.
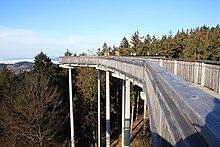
x,y
2,65
18,67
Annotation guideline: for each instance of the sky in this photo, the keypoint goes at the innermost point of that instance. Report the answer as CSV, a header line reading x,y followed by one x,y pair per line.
x,y
28,27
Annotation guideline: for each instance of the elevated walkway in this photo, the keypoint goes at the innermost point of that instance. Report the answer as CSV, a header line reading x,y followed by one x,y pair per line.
x,y
180,114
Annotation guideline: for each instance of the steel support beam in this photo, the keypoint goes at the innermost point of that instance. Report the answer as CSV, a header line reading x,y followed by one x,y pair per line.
x,y
71,108
107,110
127,115
99,110
123,113
143,97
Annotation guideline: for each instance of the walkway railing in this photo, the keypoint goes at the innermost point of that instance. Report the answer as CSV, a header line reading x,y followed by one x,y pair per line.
x,y
205,73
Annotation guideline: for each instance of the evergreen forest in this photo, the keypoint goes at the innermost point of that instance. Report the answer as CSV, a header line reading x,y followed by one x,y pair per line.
x,y
201,43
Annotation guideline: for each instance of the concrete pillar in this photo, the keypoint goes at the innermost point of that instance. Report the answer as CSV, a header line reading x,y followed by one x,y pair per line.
x,y
161,62
175,67
196,72
107,110
71,108
123,113
127,115
99,110
203,75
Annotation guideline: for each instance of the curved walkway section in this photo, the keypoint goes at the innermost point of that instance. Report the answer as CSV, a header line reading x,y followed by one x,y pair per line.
x,y
180,114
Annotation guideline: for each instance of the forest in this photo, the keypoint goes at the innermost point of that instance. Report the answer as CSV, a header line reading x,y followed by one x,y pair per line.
x,y
34,105
201,43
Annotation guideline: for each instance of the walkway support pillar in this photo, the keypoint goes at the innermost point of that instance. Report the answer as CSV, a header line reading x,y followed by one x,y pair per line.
x,y
137,105
107,110
123,113
143,96
99,110
127,115
71,108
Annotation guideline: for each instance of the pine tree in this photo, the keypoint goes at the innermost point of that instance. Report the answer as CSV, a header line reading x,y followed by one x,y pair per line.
x,y
179,44
136,44
104,48
124,46
42,63
68,53
7,82
154,46
146,47
214,44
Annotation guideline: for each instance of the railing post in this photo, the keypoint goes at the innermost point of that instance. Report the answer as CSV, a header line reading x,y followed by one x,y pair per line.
x,y
175,67
127,115
203,75
196,72
107,110
99,110
71,109
123,112
161,62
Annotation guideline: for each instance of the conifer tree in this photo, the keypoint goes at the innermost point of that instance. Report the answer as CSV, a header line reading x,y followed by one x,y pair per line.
x,y
136,44
146,47
68,53
124,46
42,63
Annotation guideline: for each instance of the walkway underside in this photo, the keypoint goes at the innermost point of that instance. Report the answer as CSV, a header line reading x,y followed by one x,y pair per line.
x,y
180,114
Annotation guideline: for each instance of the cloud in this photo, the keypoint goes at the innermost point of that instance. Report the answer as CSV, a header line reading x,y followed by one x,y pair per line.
x,y
22,42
